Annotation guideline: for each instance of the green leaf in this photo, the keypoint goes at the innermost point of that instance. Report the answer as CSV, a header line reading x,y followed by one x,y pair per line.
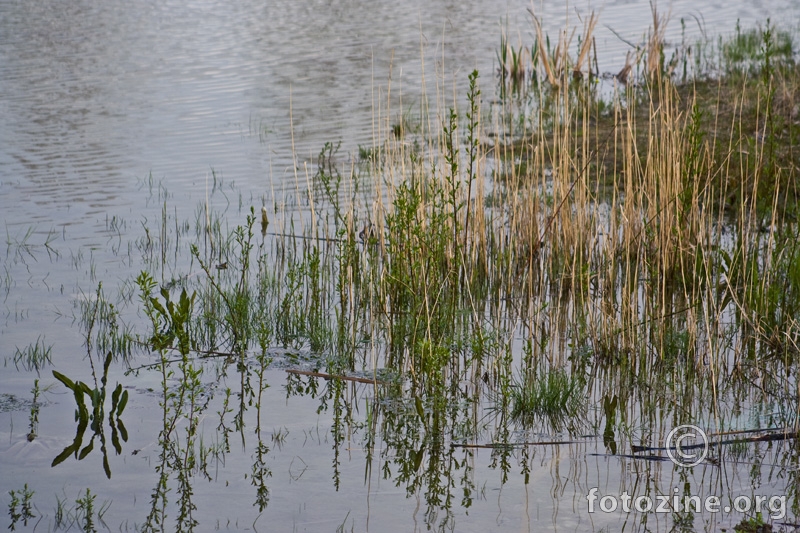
x,y
185,303
158,307
122,431
87,450
64,379
418,455
115,397
105,368
97,399
60,458
122,403
80,402
83,419
115,438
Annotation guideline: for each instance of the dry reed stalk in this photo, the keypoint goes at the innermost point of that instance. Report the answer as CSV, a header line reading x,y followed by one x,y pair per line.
x,y
630,224
561,54
622,75
655,42
586,45
550,68
478,248
664,177
629,231
585,216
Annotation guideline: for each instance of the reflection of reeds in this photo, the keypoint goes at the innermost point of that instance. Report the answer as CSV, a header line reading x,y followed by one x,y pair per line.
x,y
602,231
565,251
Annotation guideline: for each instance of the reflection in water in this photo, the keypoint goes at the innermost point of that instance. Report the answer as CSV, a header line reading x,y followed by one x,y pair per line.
x,y
98,96
429,420
97,398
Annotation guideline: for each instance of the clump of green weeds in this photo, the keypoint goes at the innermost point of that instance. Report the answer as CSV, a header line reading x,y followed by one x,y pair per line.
x,y
84,514
236,302
753,524
553,397
757,49
87,514
34,356
20,508
512,66
170,321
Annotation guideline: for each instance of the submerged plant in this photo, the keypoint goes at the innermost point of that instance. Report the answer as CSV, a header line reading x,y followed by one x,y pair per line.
x,y
512,67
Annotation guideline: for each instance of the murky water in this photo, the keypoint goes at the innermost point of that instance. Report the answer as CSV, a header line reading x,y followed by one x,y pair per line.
x,y
108,108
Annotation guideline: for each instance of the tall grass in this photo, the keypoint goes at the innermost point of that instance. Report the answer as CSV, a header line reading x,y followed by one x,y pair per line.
x,y
498,265
609,228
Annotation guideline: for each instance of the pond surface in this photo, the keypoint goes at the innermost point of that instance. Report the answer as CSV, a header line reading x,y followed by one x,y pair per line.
x,y
116,115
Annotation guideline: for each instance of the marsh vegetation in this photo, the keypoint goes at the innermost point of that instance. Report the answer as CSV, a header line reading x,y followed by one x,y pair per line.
x,y
573,266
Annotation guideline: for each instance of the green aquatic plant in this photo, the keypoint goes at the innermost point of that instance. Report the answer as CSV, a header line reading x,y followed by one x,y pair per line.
x,y
512,67
104,329
473,141
236,301
329,178
33,420
20,508
170,321
757,49
20,245
555,399
34,356
86,514
753,524
372,154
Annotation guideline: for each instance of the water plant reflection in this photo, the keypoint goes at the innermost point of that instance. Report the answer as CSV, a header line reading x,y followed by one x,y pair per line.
x,y
97,397
579,282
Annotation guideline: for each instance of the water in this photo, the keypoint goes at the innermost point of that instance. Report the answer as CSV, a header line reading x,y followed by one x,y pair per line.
x,y
108,108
